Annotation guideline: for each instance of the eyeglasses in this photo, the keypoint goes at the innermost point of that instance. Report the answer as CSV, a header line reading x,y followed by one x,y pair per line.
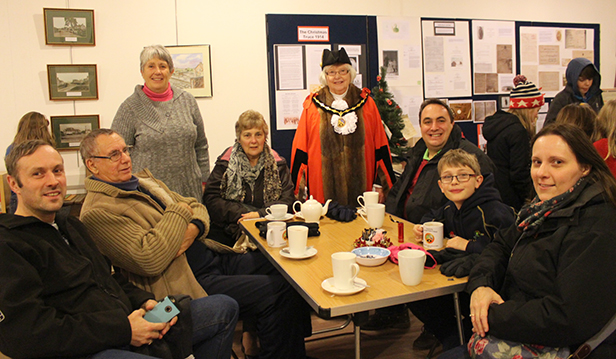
x,y
462,177
116,155
333,73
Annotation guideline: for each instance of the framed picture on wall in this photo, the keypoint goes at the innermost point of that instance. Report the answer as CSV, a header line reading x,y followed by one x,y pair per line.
x,y
192,69
68,131
69,27
72,82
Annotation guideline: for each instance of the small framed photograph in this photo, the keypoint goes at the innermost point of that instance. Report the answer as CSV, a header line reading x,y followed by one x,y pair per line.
x,y
72,82
192,69
69,27
68,131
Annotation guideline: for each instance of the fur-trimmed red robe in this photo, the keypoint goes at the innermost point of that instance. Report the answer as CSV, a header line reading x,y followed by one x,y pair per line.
x,y
340,167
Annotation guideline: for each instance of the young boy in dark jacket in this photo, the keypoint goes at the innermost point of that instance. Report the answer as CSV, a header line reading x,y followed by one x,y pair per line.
x,y
471,217
474,211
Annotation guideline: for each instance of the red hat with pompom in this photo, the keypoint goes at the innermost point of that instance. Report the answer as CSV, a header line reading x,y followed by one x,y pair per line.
x,y
525,94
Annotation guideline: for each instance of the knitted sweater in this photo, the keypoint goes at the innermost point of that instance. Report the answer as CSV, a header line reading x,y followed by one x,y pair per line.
x,y
168,139
141,238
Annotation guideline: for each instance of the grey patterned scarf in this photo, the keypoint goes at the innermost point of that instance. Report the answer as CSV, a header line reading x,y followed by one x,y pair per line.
x,y
240,171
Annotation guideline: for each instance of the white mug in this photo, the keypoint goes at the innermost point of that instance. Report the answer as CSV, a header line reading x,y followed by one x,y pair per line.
x,y
276,234
375,214
433,235
297,236
277,211
411,264
368,198
345,270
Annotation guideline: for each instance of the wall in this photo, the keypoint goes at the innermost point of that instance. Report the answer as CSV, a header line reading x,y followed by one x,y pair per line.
x,y
235,29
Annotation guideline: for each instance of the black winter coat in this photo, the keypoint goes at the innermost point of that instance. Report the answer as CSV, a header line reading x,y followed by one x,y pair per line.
x,y
427,195
56,300
557,284
478,219
509,148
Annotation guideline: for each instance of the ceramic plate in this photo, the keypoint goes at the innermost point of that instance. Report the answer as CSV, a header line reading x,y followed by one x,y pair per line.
x,y
328,285
287,216
309,253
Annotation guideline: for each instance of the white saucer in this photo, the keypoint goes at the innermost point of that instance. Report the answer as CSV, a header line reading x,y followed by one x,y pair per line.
x,y
309,253
328,285
286,217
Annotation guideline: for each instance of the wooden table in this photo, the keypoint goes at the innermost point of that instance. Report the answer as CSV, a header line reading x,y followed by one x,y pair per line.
x,y
386,287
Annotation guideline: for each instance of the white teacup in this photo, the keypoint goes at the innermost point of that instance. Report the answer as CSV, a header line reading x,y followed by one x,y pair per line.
x,y
433,235
375,214
345,270
298,236
277,211
368,198
276,234
411,264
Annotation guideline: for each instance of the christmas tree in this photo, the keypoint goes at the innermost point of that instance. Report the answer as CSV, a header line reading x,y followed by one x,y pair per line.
x,y
391,114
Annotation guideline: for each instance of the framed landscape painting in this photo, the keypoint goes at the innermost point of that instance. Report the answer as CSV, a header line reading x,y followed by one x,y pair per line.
x,y
69,27
193,72
72,82
68,131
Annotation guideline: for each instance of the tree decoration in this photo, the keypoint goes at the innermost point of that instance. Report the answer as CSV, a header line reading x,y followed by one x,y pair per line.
x,y
391,114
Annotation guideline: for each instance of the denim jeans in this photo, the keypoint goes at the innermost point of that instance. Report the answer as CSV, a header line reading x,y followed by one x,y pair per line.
x,y
213,321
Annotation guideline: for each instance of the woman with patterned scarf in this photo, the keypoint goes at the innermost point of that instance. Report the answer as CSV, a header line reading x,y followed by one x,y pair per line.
x,y
544,286
247,178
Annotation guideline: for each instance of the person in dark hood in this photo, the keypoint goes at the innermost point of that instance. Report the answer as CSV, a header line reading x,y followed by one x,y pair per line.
x,y
508,134
583,85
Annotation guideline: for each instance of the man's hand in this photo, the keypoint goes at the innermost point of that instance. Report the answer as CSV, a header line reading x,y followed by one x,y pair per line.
x,y
185,205
481,298
144,332
457,243
192,231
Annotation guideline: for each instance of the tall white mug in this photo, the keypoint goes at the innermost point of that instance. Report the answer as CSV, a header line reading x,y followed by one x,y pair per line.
x,y
375,215
433,235
276,234
297,236
345,270
411,264
367,198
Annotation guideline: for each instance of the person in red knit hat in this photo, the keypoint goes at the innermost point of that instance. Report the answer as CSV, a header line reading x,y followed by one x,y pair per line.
x,y
508,134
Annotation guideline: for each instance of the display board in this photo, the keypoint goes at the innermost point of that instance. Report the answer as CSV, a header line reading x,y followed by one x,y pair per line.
x,y
547,48
494,56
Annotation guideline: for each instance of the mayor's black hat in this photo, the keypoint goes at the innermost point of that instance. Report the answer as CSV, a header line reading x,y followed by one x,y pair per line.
x,y
335,57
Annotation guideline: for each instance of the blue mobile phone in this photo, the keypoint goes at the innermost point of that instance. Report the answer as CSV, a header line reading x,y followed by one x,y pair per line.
x,y
163,312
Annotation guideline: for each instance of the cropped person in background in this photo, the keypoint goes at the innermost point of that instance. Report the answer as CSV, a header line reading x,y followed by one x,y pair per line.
x,y
508,134
583,85
164,125
340,148
248,178
606,132
580,115
31,126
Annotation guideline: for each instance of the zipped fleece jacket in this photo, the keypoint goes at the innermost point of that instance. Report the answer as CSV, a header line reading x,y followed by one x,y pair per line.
x,y
58,300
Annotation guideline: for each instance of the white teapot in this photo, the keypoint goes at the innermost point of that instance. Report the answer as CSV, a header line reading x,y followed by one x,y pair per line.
x,y
311,210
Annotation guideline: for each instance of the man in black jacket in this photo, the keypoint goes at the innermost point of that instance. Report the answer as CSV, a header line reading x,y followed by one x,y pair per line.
x,y
58,298
416,192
